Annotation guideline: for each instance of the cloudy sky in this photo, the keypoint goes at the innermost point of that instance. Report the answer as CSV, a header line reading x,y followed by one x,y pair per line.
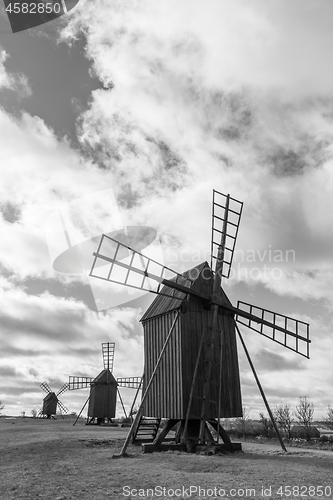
x,y
129,114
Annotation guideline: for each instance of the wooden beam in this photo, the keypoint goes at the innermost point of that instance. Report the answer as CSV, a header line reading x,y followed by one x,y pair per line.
x,y
261,389
257,319
163,281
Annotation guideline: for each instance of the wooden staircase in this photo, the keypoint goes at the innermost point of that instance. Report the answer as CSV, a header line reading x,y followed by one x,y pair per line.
x,y
146,430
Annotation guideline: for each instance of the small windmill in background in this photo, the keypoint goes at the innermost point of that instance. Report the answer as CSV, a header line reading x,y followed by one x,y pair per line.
x,y
51,402
103,389
191,362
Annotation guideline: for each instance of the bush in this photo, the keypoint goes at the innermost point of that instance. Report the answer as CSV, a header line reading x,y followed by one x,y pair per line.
x,y
253,430
323,439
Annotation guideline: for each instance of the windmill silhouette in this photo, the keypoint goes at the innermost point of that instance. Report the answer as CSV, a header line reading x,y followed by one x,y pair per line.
x,y
103,389
51,402
191,365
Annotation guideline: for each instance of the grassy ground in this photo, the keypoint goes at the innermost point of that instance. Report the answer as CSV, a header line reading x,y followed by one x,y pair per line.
x,y
48,459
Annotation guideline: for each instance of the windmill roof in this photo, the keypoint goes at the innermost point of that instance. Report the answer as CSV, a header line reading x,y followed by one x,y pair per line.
x,y
105,377
50,396
173,299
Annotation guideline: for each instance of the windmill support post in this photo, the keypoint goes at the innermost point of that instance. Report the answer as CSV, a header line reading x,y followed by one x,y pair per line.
x,y
145,395
261,390
122,404
220,391
135,397
193,385
83,407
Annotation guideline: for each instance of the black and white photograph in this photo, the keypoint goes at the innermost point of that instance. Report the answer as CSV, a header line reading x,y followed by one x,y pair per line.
x,y
166,249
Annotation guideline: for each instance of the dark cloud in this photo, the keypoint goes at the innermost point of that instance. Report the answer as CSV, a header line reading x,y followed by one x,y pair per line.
x,y
270,361
20,390
61,324
75,289
10,350
11,212
309,152
8,371
55,383
278,394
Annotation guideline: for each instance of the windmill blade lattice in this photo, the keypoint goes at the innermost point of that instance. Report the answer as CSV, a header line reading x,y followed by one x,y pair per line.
x,y
289,332
108,355
62,407
63,389
79,382
118,263
226,215
130,382
45,386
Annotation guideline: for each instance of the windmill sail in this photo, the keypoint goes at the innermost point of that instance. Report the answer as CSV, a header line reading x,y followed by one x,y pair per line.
x,y
62,389
130,382
226,215
45,386
62,407
289,332
118,263
79,382
108,355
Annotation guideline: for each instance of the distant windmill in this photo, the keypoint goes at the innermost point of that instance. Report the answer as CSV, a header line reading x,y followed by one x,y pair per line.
x,y
191,363
51,402
103,389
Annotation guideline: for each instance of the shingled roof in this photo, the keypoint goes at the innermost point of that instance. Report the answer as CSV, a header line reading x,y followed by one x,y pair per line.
x,y
172,299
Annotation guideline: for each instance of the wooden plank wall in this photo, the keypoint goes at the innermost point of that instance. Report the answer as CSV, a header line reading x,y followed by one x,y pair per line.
x,y
165,395
50,404
102,402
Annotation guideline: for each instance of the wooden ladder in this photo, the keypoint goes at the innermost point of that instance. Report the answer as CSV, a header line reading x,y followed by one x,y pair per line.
x,y
146,430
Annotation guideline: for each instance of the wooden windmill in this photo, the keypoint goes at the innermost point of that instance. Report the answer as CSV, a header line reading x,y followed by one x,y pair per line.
x,y
103,389
51,402
191,365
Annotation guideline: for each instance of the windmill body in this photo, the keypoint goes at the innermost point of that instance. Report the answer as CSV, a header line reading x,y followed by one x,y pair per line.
x,y
170,390
50,403
103,397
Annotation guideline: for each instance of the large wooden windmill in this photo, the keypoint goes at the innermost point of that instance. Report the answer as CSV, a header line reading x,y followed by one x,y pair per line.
x,y
51,401
103,389
191,365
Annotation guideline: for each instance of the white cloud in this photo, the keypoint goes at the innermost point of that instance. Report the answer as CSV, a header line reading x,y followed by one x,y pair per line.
x,y
37,178
15,82
207,95
49,338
